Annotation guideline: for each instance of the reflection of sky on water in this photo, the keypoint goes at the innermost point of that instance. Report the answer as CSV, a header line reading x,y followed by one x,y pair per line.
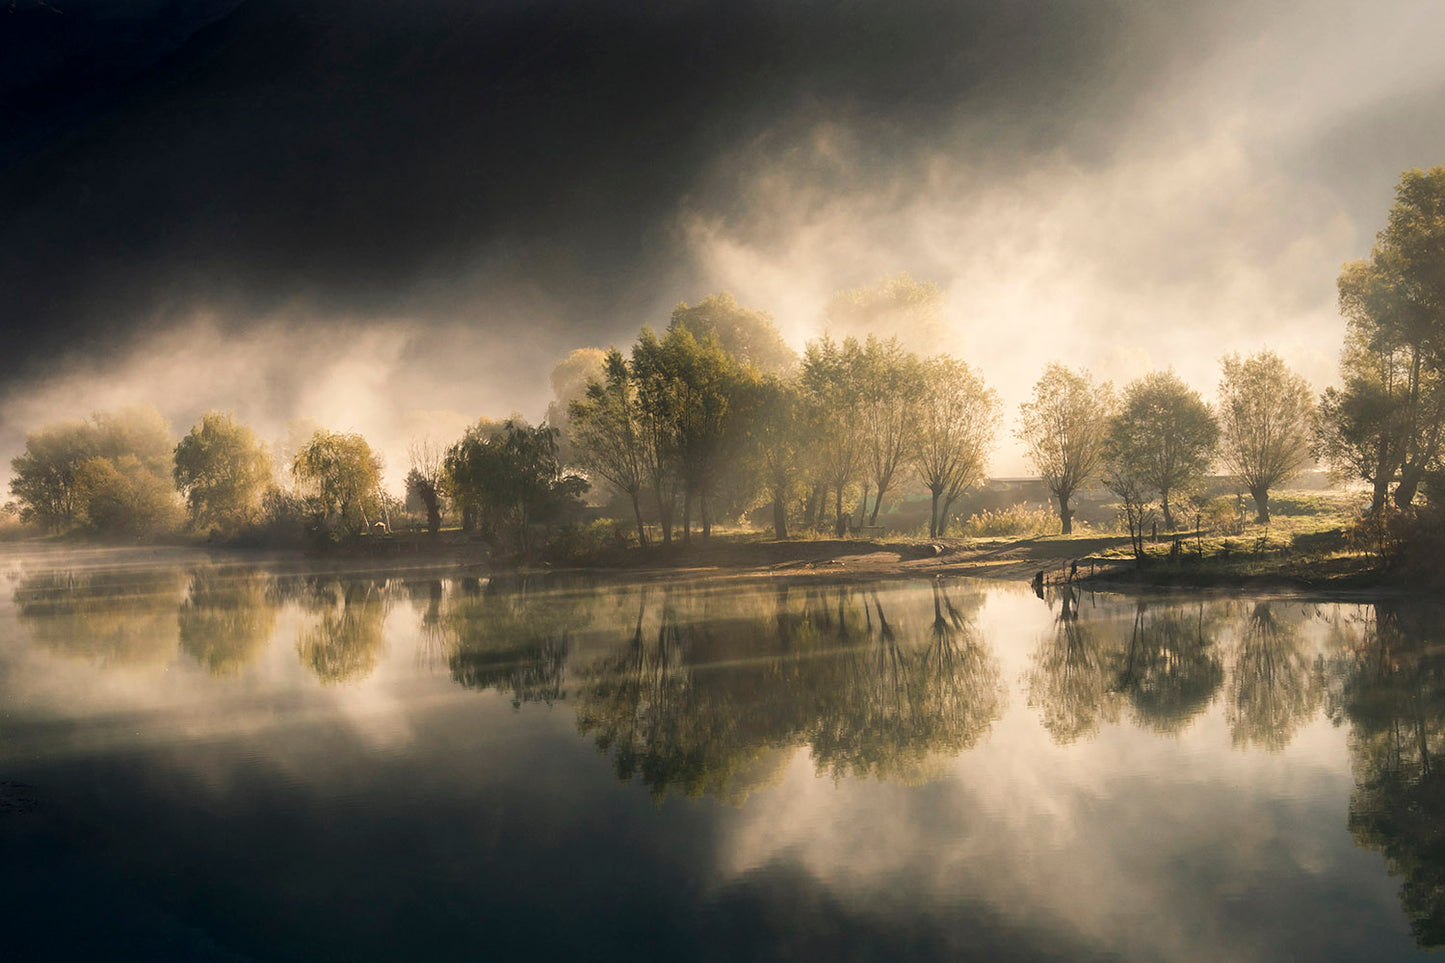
x,y
245,798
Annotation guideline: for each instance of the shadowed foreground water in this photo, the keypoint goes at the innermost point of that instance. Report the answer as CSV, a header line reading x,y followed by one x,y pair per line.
x,y
225,762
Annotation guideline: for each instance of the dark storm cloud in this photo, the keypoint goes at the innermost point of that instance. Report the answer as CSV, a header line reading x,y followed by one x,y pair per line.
x,y
507,162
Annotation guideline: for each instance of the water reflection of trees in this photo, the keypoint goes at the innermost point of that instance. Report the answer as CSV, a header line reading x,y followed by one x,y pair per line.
x,y
1391,688
227,618
511,635
696,699
347,637
1163,667
904,702
113,617
1274,684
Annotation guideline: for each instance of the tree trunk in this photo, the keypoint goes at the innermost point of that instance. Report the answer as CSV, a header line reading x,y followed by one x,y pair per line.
x,y
1380,493
1261,504
816,500
1164,504
877,502
943,519
838,506
686,517
1066,517
1410,477
637,513
780,517
433,515
706,517
664,515
863,506
933,515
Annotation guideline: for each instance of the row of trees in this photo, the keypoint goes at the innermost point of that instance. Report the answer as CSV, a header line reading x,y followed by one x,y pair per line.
x,y
1160,439
684,423
716,416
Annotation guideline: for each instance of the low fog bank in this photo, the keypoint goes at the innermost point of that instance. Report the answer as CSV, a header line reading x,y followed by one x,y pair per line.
x,y
392,381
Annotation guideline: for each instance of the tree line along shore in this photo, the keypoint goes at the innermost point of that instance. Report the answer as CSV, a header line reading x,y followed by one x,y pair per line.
x,y
716,421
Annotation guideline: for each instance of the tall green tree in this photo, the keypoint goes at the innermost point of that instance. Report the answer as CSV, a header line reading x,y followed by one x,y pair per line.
x,y
608,435
1266,413
1064,427
832,379
684,390
222,470
1385,423
1164,435
774,418
958,417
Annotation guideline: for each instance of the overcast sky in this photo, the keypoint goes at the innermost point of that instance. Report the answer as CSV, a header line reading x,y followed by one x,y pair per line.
x,y
395,217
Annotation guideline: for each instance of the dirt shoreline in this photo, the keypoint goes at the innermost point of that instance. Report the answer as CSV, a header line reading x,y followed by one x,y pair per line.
x,y
1102,563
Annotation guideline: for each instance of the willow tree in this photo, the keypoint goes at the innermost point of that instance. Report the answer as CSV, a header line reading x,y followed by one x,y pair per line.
x,y
889,389
1266,412
1164,435
424,482
1065,427
341,476
957,418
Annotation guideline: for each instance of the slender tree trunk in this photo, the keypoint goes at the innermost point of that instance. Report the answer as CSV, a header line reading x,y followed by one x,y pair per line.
x,y
664,514
1164,504
877,502
433,515
637,513
863,506
933,514
780,516
838,506
1382,477
943,519
702,504
1066,517
686,516
816,500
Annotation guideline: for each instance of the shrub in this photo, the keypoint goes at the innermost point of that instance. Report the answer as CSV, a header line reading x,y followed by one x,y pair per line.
x,y
1020,519
584,542
1221,515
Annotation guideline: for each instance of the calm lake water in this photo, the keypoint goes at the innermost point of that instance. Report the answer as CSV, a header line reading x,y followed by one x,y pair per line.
x,y
222,761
